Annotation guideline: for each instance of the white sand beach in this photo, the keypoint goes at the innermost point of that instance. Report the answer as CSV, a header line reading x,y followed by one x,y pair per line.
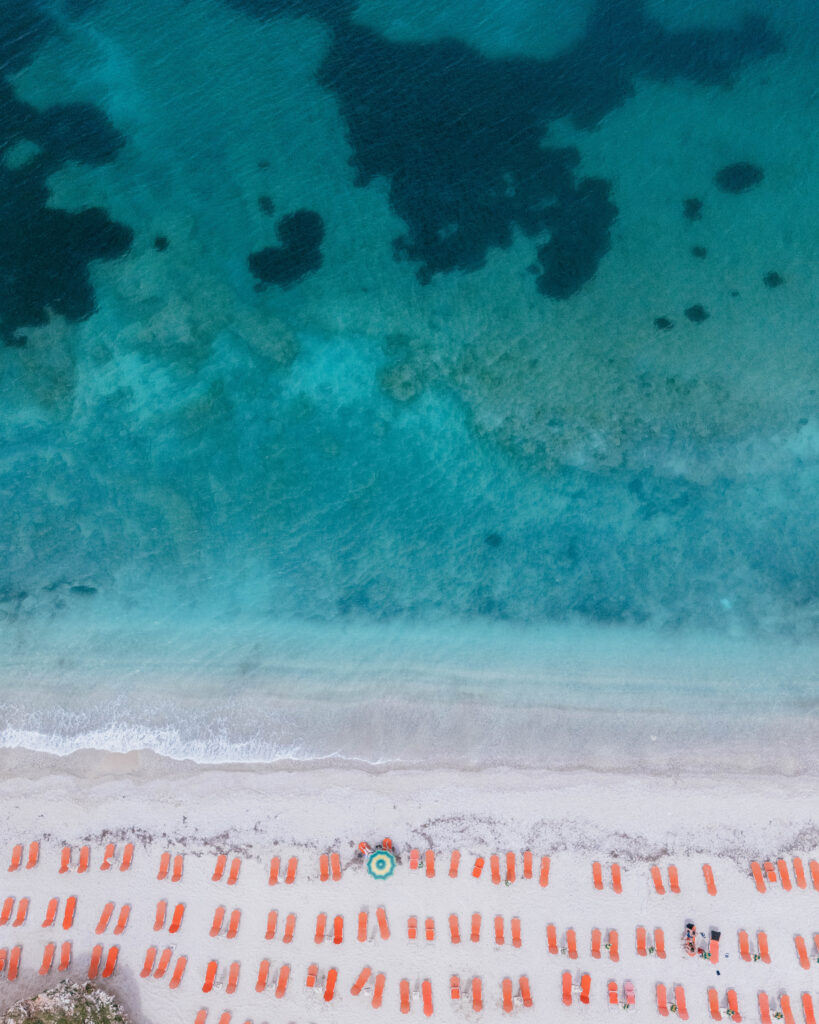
x,y
257,812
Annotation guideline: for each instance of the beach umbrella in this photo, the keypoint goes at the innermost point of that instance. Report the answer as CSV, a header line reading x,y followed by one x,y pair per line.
x,y
381,864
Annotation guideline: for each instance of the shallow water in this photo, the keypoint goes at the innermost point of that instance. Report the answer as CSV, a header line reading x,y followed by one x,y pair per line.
x,y
525,367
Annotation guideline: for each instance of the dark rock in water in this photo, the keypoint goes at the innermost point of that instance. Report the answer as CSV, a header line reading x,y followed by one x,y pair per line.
x,y
262,164
773,280
696,313
692,209
161,243
699,251
266,205
494,540
301,235
734,293
662,323
738,177
83,589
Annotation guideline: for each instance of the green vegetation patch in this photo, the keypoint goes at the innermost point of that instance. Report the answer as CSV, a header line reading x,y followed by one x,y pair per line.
x,y
67,1004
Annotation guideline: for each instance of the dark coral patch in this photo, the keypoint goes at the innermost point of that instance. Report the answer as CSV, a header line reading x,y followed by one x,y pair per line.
x,y
161,243
697,313
580,238
301,234
773,280
494,540
692,209
699,251
736,178
662,323
45,266
266,205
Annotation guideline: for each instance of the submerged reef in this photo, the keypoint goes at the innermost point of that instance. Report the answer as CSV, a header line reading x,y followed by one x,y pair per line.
x,y
301,234
459,136
44,267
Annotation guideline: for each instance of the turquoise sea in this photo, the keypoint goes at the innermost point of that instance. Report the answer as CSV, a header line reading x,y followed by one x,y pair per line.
x,y
395,378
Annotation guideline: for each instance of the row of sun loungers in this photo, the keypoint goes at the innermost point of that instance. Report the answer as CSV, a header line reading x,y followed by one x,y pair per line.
x,y
171,866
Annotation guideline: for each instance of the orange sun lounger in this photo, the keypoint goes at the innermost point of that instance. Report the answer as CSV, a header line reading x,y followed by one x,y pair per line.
x,y
525,990
506,989
571,943
338,930
659,943
455,987
264,973
14,960
235,868
161,911
178,865
16,857
662,1000
613,945
330,984
324,868
527,864
150,959
807,1008
48,957
596,940
164,962
65,956
275,863
429,863
429,929
70,910
292,866
585,988
759,878
475,936
597,875
713,1004
210,975
708,875
51,912
233,978
784,876
383,926
85,859
378,990
494,869
215,928
122,920
478,868
219,870
233,924
272,921
673,879
178,972
511,875
679,1000
65,859
744,946
785,1007
551,939
361,981
657,878
545,864
454,863
310,980
614,999
426,996
289,928
762,944
22,913
127,857
801,952
641,941
454,929
616,878
176,920
321,928
733,1006
477,995
164,866
404,994
499,939
33,855
567,988
799,873
515,926
105,918
363,917
335,867
8,907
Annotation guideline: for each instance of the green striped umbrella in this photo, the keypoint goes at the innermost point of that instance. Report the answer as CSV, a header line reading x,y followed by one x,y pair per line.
x,y
381,864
